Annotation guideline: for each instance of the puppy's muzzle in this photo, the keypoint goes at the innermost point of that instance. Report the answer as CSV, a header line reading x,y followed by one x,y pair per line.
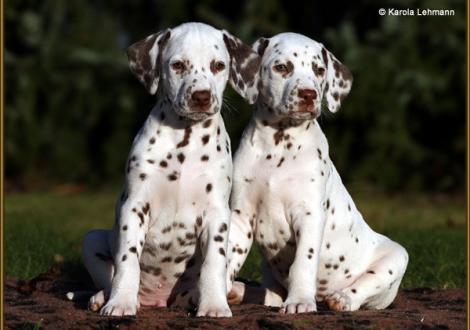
x,y
200,101
307,96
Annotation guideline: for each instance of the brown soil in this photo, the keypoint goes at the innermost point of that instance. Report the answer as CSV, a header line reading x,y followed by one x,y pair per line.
x,y
42,302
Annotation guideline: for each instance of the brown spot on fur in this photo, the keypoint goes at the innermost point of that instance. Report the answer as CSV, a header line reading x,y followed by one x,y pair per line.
x,y
223,227
278,136
181,157
185,141
207,123
205,139
165,246
146,208
180,258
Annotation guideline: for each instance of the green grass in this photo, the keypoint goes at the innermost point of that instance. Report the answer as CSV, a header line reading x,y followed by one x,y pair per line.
x,y
42,227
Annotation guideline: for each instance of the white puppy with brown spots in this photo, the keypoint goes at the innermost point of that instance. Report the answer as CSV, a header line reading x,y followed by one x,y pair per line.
x,y
168,243
288,196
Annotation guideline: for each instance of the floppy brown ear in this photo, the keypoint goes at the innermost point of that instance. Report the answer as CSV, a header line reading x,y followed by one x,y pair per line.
x,y
338,81
244,67
145,58
260,46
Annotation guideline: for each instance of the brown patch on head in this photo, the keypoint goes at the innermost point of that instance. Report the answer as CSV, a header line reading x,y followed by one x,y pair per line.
x,y
284,69
216,66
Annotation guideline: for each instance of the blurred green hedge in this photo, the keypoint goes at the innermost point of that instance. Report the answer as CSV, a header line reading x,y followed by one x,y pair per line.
x,y
72,106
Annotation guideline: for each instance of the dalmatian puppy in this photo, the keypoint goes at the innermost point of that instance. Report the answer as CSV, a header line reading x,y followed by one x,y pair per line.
x,y
288,196
168,243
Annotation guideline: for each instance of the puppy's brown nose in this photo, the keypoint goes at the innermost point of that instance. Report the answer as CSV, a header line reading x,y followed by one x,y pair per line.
x,y
307,95
201,98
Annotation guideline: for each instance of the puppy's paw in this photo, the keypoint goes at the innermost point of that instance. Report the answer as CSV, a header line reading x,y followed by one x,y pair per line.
x,y
298,305
214,310
121,305
338,301
96,301
235,296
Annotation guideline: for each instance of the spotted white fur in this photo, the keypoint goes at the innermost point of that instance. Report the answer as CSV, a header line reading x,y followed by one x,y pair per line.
x,y
288,196
168,244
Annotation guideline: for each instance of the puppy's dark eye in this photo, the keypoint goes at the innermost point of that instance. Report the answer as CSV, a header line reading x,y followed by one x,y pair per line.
x,y
178,66
320,71
217,66
281,68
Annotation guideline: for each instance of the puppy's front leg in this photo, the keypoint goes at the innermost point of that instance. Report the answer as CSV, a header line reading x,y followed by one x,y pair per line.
x,y
212,286
129,237
308,228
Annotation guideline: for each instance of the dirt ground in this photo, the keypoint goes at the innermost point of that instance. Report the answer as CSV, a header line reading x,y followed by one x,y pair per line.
x,y
41,303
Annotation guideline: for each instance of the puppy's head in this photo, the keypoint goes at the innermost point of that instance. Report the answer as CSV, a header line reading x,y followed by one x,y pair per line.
x,y
297,74
194,61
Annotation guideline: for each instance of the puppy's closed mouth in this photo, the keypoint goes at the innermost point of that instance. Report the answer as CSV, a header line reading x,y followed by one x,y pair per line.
x,y
305,112
307,107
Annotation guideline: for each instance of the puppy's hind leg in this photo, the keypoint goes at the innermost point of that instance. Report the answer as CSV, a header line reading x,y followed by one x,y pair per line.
x,y
377,287
270,293
98,260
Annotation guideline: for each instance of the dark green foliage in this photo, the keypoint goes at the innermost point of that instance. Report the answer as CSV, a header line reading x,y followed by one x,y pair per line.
x,y
403,125
72,106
